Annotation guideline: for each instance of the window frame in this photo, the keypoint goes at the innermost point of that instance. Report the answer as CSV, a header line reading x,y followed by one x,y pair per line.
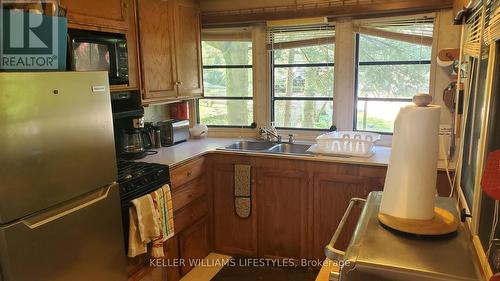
x,y
274,98
357,63
251,98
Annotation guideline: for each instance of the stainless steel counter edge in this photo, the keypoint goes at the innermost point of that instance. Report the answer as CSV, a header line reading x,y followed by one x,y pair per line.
x,y
184,152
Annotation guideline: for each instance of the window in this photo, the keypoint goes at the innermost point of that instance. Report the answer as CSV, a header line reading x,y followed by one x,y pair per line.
x,y
392,65
227,80
302,62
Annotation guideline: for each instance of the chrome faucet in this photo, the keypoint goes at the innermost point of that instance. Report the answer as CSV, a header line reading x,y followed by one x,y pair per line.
x,y
270,133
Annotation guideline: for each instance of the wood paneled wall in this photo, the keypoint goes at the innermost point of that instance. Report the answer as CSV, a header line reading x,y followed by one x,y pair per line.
x,y
230,11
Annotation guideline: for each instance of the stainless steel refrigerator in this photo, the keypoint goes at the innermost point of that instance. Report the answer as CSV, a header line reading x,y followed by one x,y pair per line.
x,y
59,203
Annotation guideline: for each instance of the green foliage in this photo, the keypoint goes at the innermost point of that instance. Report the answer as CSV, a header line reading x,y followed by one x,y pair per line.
x,y
227,82
375,81
304,81
389,81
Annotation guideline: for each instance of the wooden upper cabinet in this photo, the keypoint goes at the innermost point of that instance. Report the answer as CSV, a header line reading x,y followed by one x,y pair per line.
x,y
113,16
105,13
188,48
155,20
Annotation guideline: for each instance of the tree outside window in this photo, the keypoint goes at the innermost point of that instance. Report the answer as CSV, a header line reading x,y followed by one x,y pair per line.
x,y
227,80
389,72
303,78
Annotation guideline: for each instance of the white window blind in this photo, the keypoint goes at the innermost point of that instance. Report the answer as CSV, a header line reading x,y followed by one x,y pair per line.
x,y
417,29
296,37
393,59
302,76
473,30
492,29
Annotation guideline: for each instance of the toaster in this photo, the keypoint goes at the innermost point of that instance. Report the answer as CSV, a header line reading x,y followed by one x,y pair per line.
x,y
173,131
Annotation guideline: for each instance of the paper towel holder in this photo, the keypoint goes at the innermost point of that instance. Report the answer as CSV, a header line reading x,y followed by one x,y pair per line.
x,y
399,210
444,222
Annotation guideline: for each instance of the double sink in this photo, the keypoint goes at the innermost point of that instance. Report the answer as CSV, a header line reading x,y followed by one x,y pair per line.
x,y
271,147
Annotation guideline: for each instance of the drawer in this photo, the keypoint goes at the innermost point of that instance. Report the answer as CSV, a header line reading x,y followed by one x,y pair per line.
x,y
187,172
189,192
189,214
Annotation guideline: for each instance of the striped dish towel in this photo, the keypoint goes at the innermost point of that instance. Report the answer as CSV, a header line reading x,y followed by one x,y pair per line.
x,y
162,199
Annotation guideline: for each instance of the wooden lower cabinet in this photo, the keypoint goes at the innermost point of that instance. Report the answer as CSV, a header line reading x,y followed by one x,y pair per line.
x,y
296,205
193,244
172,272
282,208
232,234
332,194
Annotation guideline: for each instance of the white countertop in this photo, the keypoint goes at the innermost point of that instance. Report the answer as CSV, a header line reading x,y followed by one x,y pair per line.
x,y
182,152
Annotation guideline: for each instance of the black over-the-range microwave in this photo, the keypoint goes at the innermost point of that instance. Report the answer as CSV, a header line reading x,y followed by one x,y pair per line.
x,y
99,51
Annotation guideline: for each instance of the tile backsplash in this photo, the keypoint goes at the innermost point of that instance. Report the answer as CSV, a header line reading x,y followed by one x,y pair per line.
x,y
155,113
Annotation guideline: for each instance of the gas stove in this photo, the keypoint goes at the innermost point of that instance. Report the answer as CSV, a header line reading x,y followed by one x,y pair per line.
x,y
139,178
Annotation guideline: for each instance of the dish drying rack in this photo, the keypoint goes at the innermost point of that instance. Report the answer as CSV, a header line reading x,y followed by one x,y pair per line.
x,y
345,143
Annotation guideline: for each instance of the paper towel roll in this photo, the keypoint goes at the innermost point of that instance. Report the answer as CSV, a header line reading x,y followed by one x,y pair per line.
x,y
410,184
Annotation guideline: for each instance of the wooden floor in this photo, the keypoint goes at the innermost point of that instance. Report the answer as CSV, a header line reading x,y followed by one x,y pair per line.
x,y
203,273
243,269
206,273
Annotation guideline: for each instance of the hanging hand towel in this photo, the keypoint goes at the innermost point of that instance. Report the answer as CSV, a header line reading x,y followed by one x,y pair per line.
x,y
144,226
162,199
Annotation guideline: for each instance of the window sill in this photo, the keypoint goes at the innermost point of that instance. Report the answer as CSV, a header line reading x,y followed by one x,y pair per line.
x,y
301,135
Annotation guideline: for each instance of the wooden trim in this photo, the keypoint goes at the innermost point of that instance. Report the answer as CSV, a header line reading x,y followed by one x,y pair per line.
x,y
415,39
334,11
225,37
301,43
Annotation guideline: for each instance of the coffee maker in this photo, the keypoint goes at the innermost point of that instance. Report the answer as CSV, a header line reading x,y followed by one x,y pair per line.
x,y
132,139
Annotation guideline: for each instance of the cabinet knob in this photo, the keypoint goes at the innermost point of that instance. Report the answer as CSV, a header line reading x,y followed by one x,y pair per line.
x,y
189,173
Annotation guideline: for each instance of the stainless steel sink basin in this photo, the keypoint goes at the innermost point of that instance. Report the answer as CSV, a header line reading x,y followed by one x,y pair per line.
x,y
291,148
251,145
270,147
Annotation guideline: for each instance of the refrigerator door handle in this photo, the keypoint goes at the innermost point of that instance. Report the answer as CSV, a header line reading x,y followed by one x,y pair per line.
x,y
53,214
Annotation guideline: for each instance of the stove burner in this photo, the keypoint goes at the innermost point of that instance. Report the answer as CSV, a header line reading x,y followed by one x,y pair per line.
x,y
139,178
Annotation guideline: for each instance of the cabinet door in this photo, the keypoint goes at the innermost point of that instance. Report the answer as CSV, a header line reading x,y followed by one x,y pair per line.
x,y
188,48
283,223
171,250
332,193
194,244
157,49
109,13
233,234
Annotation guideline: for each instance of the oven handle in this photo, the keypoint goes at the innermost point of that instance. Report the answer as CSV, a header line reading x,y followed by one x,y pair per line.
x,y
330,251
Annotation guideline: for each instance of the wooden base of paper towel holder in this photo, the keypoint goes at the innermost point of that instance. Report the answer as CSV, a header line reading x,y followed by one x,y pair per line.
x,y
443,222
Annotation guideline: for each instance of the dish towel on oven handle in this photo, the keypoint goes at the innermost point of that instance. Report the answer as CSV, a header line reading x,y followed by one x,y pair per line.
x,y
162,199
143,225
